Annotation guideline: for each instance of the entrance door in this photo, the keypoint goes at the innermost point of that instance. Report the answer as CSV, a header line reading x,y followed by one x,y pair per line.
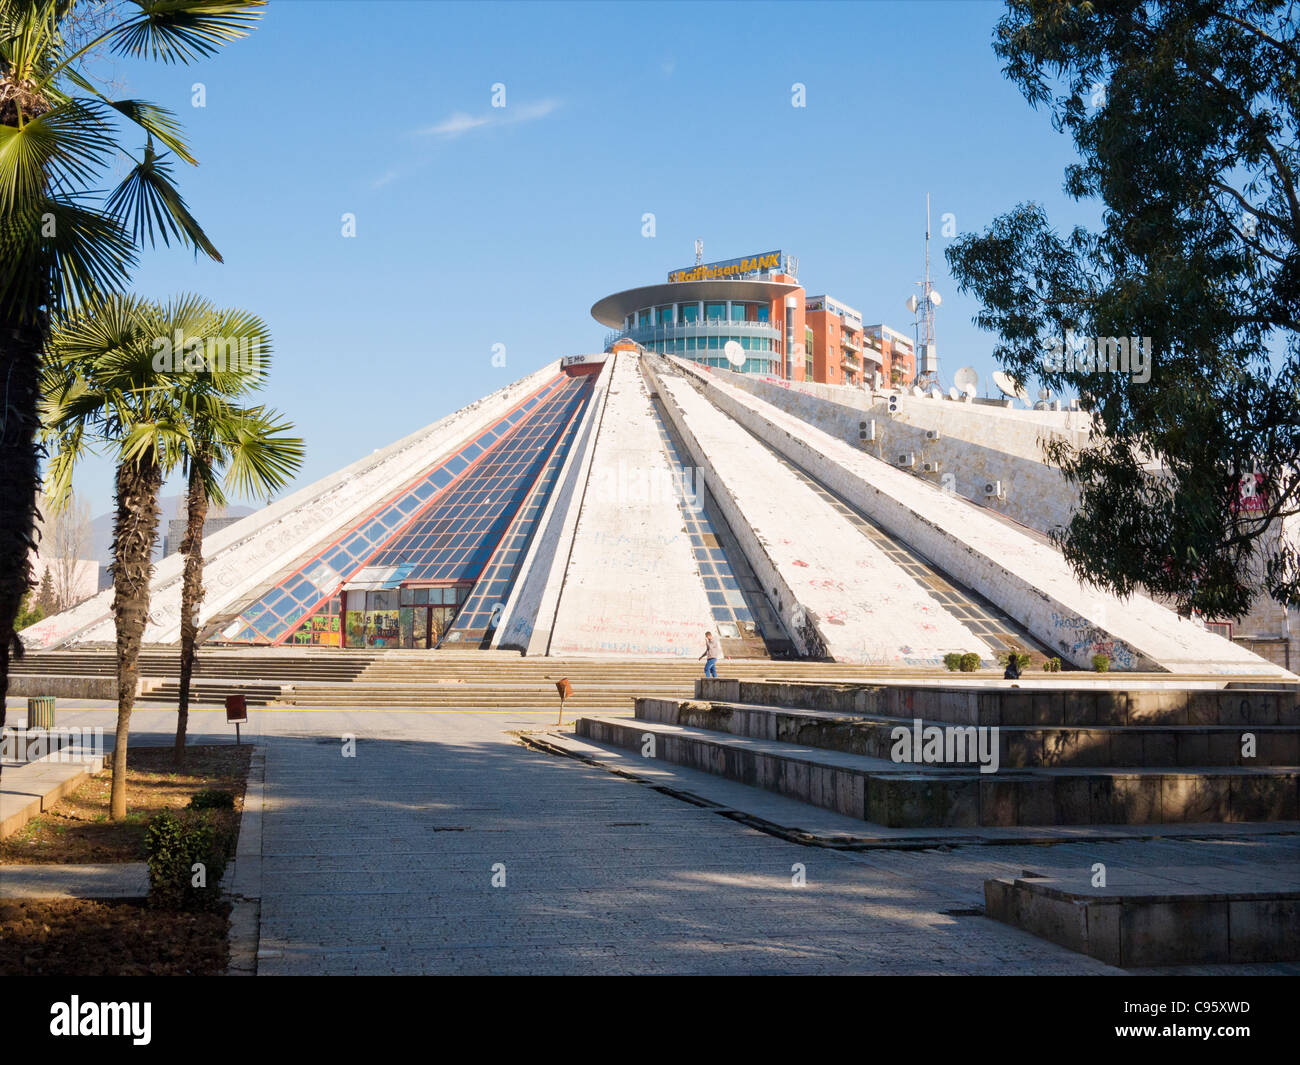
x,y
420,627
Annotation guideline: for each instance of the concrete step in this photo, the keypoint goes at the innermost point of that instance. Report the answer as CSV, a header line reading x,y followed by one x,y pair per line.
x,y
1214,920
1018,746
254,694
1068,705
917,795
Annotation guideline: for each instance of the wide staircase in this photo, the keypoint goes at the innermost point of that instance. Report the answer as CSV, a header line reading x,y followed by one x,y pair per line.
x,y
327,677
908,756
502,680
259,675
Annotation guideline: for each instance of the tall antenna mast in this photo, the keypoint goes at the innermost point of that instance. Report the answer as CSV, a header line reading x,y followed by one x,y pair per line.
x,y
699,253
928,365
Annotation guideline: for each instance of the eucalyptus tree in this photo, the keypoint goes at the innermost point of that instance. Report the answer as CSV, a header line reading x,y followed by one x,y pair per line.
x,y
1177,318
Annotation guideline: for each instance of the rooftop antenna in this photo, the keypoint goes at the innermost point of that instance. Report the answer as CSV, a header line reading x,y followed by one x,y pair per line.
x,y
924,324
699,253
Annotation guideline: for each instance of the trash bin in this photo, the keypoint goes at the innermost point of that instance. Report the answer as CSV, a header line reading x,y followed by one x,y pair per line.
x,y
40,712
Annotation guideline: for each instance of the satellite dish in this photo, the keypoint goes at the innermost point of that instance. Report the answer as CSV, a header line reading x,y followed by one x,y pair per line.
x,y
1044,393
734,352
966,376
1005,385
970,390
936,392
913,303
953,394
935,298
917,390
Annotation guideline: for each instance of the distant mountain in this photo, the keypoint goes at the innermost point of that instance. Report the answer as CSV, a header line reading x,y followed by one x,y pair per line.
x,y
101,532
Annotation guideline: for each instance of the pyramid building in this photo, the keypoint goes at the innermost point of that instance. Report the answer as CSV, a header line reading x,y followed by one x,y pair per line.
x,y
729,464
622,504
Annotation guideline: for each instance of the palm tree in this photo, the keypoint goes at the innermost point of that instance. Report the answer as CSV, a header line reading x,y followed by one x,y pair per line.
x,y
105,387
64,240
250,443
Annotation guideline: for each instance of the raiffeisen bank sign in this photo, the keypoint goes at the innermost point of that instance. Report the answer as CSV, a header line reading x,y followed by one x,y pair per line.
x,y
731,268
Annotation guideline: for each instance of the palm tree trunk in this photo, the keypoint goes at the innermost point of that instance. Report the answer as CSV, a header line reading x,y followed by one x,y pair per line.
x,y
21,342
191,596
135,526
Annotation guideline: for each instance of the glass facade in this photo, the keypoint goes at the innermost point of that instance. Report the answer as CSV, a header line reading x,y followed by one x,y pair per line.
x,y
314,587
480,613
453,538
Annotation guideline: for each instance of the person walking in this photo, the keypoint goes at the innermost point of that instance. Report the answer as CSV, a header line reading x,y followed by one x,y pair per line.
x,y
712,652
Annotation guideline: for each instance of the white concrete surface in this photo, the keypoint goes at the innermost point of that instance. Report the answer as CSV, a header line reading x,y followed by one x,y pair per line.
x,y
530,609
631,586
1028,579
839,594
241,559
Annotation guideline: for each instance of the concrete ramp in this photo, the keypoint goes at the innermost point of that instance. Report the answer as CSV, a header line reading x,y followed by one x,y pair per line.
x,y
839,594
631,587
1028,579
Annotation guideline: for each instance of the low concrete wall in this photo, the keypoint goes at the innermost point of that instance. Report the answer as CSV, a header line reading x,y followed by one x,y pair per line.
x,y
1018,706
27,685
1132,929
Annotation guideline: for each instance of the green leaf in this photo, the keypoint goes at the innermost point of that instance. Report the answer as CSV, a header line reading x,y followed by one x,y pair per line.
x,y
184,30
149,207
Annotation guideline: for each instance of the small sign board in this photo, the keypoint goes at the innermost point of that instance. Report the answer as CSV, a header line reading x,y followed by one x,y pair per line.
x,y
236,709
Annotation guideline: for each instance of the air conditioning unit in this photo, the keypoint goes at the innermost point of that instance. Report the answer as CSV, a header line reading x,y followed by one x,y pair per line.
x,y
993,489
893,404
867,431
908,459
932,434
931,467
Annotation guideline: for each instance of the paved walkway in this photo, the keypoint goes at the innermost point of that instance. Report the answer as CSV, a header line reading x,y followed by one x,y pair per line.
x,y
385,862
29,785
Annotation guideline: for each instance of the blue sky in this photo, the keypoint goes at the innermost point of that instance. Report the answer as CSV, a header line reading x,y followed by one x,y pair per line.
x,y
478,226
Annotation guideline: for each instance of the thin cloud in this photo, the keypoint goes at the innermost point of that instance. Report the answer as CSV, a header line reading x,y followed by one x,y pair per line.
x,y
458,124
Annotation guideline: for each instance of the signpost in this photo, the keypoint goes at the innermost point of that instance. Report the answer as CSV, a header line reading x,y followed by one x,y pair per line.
x,y
236,714
565,689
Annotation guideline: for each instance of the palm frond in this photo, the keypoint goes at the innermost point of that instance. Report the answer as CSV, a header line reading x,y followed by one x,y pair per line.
x,y
64,146
149,206
184,30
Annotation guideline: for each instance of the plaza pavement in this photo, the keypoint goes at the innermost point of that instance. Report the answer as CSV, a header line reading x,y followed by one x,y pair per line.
x,y
385,863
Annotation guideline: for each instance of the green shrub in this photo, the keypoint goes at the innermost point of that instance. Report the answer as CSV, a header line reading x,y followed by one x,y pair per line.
x,y
970,662
952,661
173,844
212,799
1052,665
1101,663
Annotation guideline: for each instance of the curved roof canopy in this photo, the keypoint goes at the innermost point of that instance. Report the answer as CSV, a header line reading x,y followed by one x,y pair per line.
x,y
613,309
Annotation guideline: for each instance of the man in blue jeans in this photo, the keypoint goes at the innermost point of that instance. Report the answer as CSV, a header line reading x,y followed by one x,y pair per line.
x,y
712,652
